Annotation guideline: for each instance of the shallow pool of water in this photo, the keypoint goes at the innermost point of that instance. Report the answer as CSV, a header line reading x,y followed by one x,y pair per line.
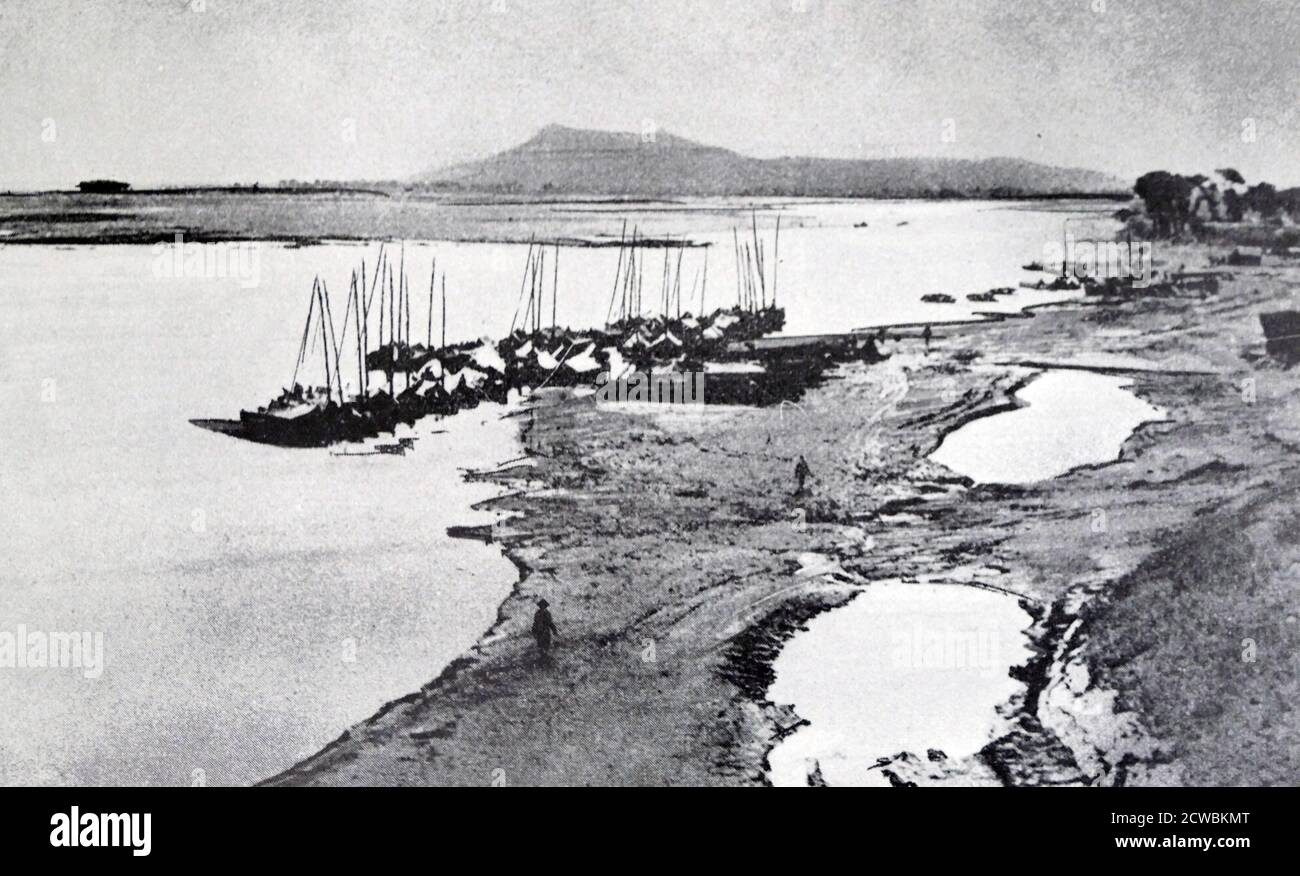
x,y
904,667
1069,419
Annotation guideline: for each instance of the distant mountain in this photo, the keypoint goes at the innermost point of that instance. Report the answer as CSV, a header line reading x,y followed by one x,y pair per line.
x,y
574,161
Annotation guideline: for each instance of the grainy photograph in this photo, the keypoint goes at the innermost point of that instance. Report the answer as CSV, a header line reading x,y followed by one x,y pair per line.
x,y
514,393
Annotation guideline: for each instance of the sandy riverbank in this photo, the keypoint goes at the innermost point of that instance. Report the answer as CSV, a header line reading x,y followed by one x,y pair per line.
x,y
669,544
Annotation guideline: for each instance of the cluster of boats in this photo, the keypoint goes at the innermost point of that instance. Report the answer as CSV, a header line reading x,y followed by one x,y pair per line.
x,y
444,380
399,381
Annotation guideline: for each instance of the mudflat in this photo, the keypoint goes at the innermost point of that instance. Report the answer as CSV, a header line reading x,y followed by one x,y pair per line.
x,y
677,559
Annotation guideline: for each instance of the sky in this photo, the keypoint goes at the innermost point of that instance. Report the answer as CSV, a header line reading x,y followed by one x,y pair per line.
x,y
227,91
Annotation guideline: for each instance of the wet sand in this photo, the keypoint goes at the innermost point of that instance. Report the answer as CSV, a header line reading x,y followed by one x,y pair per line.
x,y
670,548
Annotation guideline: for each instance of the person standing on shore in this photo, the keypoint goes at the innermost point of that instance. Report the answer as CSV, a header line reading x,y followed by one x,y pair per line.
x,y
927,334
801,474
544,627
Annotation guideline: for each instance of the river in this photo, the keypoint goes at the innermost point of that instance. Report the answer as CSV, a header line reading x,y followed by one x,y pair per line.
x,y
254,601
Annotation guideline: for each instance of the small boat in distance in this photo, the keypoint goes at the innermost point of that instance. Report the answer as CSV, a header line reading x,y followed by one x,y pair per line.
x,y
1060,283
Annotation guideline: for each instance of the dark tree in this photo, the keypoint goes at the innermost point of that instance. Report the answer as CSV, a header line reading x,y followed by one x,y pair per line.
x,y
1167,197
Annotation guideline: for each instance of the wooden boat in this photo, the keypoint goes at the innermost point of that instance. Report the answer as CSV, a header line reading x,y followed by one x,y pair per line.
x,y
1281,333
1281,324
1059,284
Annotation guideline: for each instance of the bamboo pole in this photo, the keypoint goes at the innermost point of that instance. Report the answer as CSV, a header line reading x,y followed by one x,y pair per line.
x,y
444,311
555,288
758,255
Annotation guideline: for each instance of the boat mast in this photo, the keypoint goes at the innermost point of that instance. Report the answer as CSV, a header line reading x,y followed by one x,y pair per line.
x,y
523,283
359,292
678,283
663,286
392,346
776,257
406,299
735,242
333,338
705,284
433,274
539,280
622,237
363,331
640,284
325,344
306,332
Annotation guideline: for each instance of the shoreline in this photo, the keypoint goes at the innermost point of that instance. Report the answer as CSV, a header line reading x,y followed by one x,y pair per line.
x,y
671,609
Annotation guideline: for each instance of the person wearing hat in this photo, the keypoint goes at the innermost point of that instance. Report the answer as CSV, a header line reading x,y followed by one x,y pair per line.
x,y
543,627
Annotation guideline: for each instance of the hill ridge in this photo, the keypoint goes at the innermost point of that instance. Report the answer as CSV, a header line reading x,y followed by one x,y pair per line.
x,y
563,159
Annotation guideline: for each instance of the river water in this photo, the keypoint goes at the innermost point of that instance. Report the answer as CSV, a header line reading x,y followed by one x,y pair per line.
x,y
254,601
